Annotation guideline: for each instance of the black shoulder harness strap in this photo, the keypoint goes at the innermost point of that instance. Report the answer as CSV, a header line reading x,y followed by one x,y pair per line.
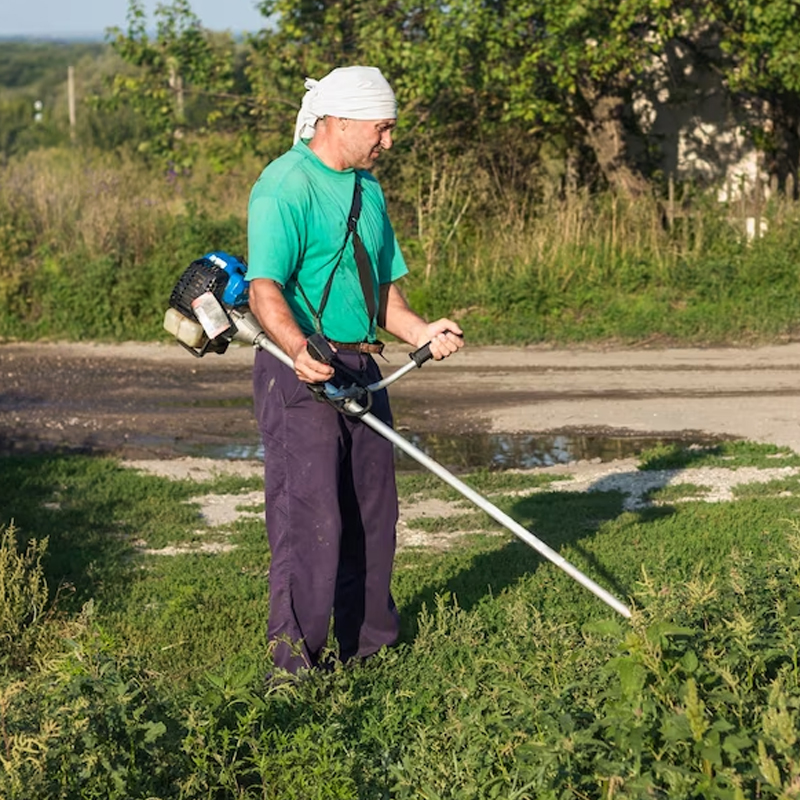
x,y
362,262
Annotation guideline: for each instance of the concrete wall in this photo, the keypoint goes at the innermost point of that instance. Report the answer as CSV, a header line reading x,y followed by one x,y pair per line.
x,y
692,126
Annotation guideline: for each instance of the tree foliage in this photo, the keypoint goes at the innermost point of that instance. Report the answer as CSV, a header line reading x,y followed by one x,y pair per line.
x,y
480,77
761,41
172,76
33,65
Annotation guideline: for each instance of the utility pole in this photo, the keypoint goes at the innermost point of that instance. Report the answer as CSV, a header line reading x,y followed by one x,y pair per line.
x,y
176,84
71,100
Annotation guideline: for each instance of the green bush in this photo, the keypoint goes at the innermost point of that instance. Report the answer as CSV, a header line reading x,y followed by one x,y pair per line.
x,y
86,726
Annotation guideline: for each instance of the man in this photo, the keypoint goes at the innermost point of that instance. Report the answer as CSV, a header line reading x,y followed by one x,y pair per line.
x,y
331,500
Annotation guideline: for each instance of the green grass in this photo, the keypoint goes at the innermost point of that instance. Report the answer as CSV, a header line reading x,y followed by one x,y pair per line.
x,y
417,484
730,455
676,492
789,485
510,680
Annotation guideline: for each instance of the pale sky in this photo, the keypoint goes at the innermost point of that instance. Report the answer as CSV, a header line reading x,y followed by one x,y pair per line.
x,y
91,17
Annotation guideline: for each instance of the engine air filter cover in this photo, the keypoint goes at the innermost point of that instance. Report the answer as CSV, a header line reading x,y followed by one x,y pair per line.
x,y
201,276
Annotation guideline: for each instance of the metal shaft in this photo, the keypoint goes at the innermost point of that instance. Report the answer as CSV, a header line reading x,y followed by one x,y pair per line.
x,y
492,510
260,340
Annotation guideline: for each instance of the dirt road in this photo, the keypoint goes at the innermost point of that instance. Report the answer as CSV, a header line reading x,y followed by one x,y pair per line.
x,y
151,401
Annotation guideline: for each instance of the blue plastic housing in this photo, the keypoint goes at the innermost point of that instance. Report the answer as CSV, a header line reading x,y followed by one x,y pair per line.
x,y
237,288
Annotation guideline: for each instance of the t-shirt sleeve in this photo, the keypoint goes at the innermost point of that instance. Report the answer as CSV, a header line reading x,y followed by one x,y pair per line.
x,y
392,265
274,239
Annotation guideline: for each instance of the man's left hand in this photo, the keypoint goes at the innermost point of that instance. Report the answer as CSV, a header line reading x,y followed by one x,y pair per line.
x,y
445,336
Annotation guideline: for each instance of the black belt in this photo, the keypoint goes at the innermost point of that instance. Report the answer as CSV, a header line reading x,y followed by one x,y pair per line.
x,y
359,347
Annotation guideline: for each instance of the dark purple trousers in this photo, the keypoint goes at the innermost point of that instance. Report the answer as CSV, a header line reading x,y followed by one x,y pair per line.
x,y
331,513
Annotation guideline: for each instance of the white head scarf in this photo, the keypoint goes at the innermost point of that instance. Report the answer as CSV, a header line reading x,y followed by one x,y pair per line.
x,y
349,92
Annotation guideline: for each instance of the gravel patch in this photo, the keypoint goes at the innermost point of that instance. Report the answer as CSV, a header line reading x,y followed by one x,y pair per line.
x,y
221,510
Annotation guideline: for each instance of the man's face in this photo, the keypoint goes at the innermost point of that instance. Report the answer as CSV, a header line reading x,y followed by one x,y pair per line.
x,y
364,139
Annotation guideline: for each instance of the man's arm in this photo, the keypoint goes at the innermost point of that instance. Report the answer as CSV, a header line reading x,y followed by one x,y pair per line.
x,y
275,317
396,317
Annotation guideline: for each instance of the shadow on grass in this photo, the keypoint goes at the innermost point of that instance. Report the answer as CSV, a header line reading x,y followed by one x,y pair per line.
x,y
557,519
728,453
90,510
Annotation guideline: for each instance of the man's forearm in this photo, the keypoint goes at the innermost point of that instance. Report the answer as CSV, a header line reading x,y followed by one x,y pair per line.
x,y
275,317
397,318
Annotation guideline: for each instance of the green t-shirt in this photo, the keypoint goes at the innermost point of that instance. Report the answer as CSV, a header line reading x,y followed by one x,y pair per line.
x,y
297,222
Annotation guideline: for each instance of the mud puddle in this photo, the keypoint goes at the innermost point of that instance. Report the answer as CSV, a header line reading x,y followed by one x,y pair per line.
x,y
473,451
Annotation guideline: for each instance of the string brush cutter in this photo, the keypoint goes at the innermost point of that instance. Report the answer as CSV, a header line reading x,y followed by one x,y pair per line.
x,y
208,310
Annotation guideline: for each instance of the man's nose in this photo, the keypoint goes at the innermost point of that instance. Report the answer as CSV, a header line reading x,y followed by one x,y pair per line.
x,y
386,140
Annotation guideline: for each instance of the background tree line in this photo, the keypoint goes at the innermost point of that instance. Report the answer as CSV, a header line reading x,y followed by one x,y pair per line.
x,y
512,85
523,162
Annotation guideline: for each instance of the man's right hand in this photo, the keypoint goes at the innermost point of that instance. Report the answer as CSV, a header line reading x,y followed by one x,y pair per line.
x,y
275,317
308,369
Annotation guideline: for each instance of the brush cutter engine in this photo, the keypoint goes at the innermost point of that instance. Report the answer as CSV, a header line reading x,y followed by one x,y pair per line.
x,y
208,309
208,301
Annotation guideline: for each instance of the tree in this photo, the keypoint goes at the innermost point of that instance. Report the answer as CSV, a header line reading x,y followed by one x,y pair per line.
x,y
431,51
474,72
489,78
575,65
173,77
437,56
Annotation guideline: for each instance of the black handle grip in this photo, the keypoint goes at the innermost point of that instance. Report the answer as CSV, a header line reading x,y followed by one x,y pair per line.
x,y
419,357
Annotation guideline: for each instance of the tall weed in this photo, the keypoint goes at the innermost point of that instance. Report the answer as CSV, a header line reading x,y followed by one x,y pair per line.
x,y
92,244
23,596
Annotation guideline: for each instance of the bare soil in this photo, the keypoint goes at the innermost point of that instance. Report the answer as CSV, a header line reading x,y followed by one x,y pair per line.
x,y
157,401
150,404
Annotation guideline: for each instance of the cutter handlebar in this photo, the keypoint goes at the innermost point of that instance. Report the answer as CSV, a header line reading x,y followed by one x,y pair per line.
x,y
319,348
423,354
